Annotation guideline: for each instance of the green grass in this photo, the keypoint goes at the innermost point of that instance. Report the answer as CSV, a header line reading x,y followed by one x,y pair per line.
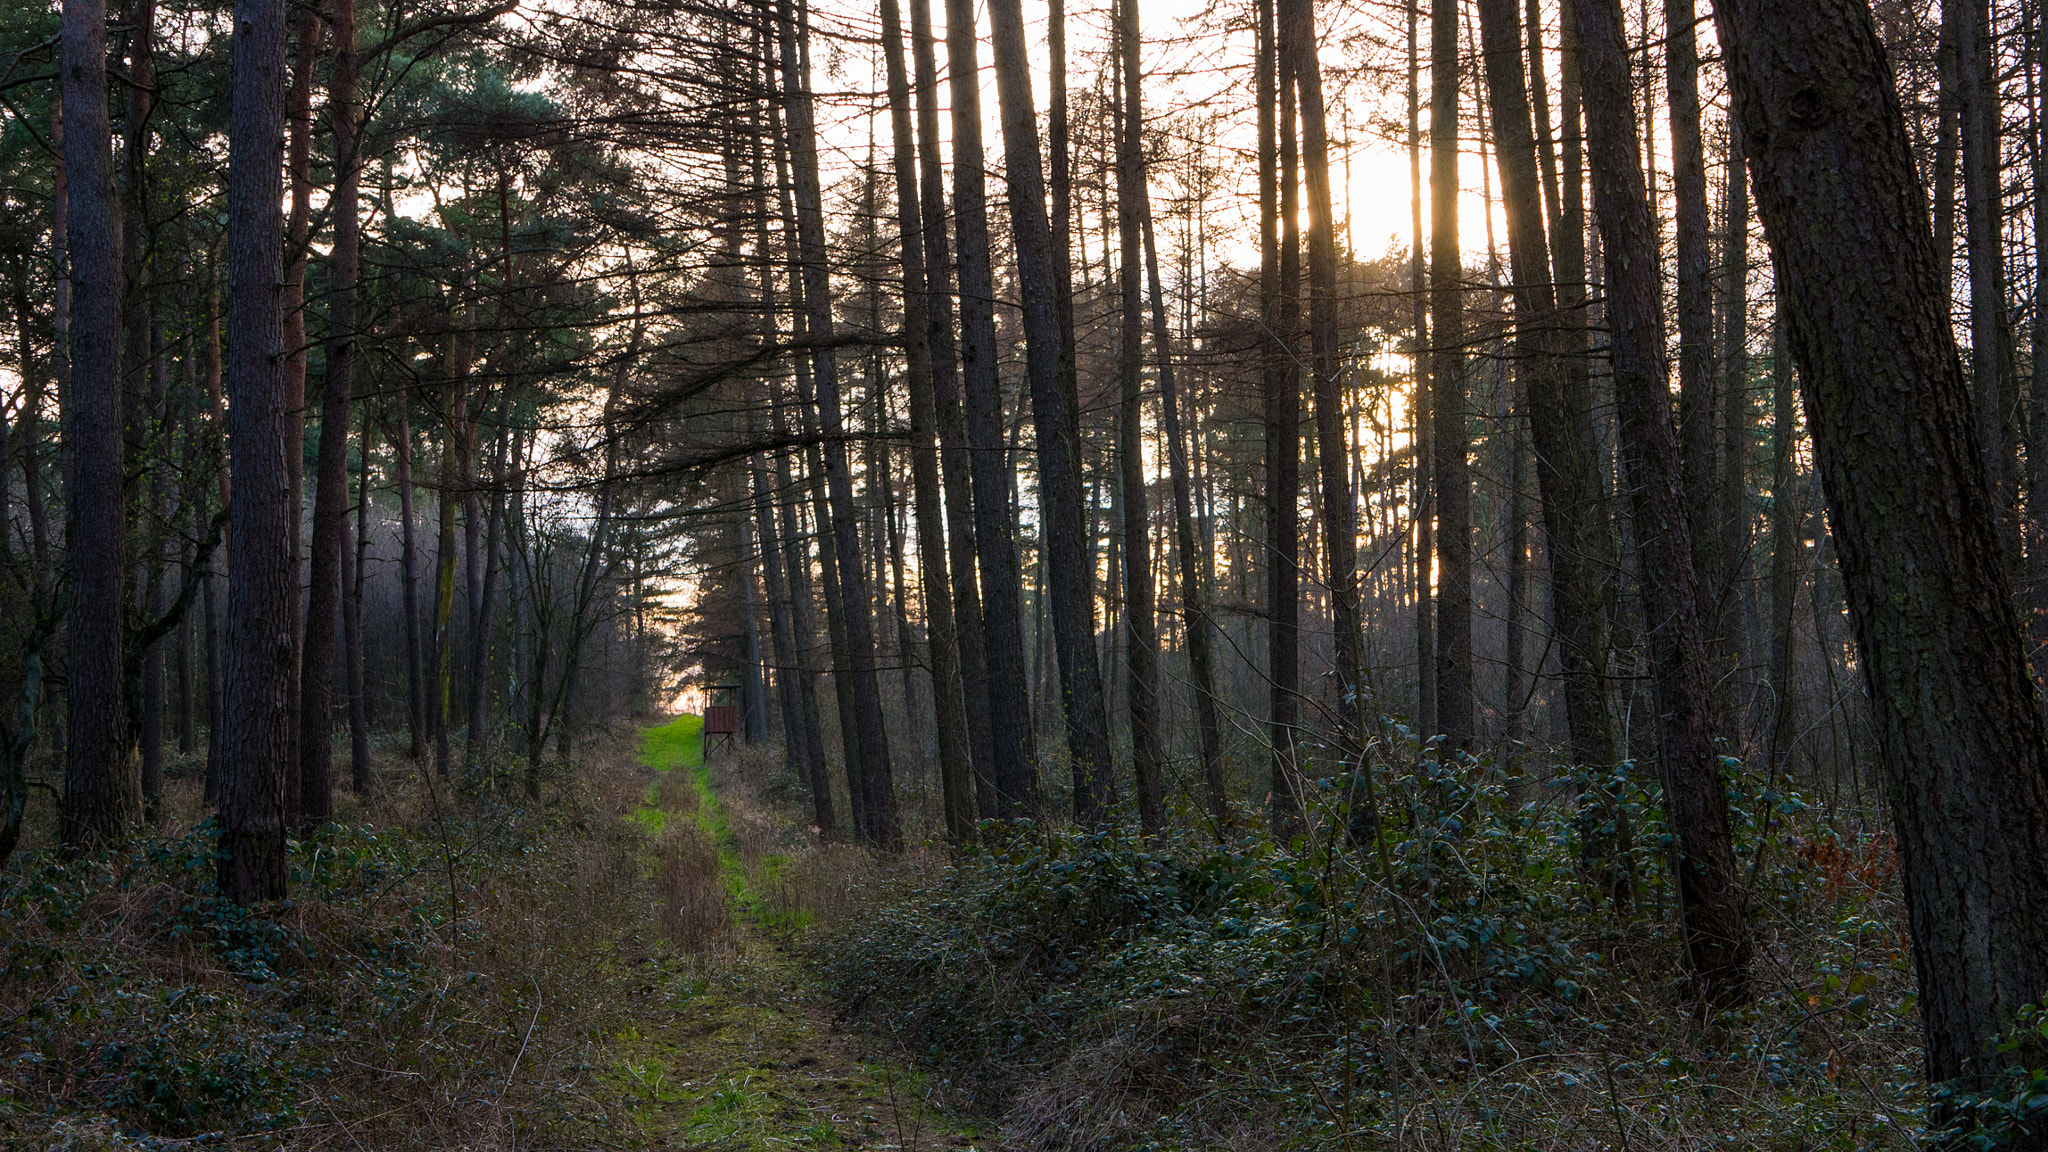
x,y
676,744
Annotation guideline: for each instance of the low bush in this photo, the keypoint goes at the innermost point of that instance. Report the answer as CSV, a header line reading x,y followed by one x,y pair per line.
x,y
445,973
1465,981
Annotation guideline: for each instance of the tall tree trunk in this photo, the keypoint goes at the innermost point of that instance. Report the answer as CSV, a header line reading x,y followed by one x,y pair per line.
x,y
782,641
1695,311
956,763
94,807
1786,557
1961,738
1279,277
360,780
1449,442
1141,640
1717,940
1558,415
2037,335
1192,554
1059,451
1340,529
943,342
330,481
1979,112
408,565
878,797
298,229
995,541
1421,502
1737,424
261,583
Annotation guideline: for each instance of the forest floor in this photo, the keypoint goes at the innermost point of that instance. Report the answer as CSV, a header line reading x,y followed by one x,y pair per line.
x,y
731,1046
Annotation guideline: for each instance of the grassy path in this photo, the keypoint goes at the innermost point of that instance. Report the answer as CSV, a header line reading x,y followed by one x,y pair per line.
x,y
734,1049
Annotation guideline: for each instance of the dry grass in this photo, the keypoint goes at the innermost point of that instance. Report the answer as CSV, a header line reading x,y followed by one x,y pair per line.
x,y
450,979
696,913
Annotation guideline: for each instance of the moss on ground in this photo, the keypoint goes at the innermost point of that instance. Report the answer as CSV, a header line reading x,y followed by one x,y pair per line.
x,y
736,1050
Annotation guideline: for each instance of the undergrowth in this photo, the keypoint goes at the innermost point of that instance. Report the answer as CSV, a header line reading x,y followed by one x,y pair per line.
x,y
1462,983
445,973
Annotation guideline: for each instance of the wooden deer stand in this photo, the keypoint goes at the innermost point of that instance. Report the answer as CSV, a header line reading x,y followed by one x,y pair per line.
x,y
721,718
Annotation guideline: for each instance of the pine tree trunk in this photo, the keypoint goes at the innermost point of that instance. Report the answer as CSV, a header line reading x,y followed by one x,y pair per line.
x,y
1340,530
330,484
1279,255
1059,457
1716,932
1449,442
261,584
877,800
1566,478
1002,579
968,629
956,764
1421,503
1961,739
360,779
94,808
1979,115
1141,640
415,672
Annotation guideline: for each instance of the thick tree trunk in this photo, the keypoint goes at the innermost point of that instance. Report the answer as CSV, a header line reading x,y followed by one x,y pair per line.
x,y
1002,580
1061,512
1717,942
95,806
1961,738
261,583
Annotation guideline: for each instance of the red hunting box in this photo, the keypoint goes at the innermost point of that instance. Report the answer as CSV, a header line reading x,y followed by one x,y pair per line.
x,y
721,717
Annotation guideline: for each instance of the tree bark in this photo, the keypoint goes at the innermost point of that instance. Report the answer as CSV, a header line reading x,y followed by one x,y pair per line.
x,y
1979,115
1002,580
1421,504
1961,739
1340,530
1141,639
1717,942
956,764
1449,442
1279,277
262,581
1196,574
878,795
1059,454
330,482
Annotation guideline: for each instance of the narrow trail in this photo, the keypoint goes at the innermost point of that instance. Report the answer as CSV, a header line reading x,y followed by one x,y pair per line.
x,y
732,1046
